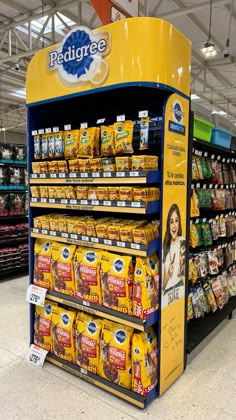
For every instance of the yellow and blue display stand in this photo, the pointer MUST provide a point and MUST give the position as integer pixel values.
(122, 68)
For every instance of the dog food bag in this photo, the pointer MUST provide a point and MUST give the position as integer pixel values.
(87, 345)
(53, 167)
(59, 144)
(87, 275)
(43, 167)
(84, 165)
(123, 163)
(43, 191)
(115, 353)
(63, 333)
(44, 147)
(42, 264)
(107, 140)
(51, 145)
(35, 191)
(117, 282)
(52, 192)
(62, 268)
(71, 138)
(95, 165)
(37, 147)
(42, 326)
(145, 288)
(35, 168)
(109, 165)
(124, 137)
(73, 165)
(19, 151)
(62, 166)
(144, 129)
(87, 142)
(81, 192)
(144, 361)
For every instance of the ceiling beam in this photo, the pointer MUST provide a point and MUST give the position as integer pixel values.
(191, 9)
(16, 6)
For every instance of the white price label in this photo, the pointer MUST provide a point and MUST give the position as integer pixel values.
(48, 130)
(100, 120)
(62, 175)
(218, 157)
(107, 203)
(120, 118)
(204, 186)
(212, 156)
(95, 175)
(53, 233)
(120, 174)
(121, 244)
(35, 230)
(53, 175)
(64, 201)
(107, 242)
(34, 175)
(84, 371)
(85, 238)
(143, 114)
(73, 236)
(64, 235)
(84, 125)
(84, 201)
(198, 185)
(72, 175)
(84, 175)
(55, 129)
(41, 131)
(134, 173)
(96, 240)
(135, 204)
(95, 202)
(42, 175)
(228, 160)
(34, 200)
(205, 154)
(34, 133)
(43, 200)
(44, 232)
(73, 201)
(67, 127)
(135, 246)
(36, 295)
(51, 200)
(106, 174)
(120, 203)
(86, 303)
(223, 160)
(35, 356)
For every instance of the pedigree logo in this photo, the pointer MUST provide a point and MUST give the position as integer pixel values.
(79, 58)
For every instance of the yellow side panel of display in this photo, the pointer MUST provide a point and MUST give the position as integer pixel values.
(174, 240)
(140, 50)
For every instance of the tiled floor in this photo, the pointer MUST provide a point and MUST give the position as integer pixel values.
(207, 390)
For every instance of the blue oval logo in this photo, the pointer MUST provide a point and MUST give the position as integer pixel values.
(120, 336)
(139, 272)
(65, 253)
(90, 256)
(84, 134)
(46, 246)
(118, 265)
(92, 328)
(152, 264)
(65, 319)
(178, 112)
(48, 309)
(120, 128)
(104, 133)
(136, 350)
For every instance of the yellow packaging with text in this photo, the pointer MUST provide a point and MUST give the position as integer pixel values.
(71, 139)
(87, 275)
(62, 268)
(42, 326)
(42, 264)
(87, 142)
(87, 347)
(124, 137)
(63, 333)
(107, 140)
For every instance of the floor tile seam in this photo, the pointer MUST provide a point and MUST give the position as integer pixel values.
(9, 351)
(92, 395)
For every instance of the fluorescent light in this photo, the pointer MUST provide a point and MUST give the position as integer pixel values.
(194, 96)
(209, 50)
(219, 112)
(20, 93)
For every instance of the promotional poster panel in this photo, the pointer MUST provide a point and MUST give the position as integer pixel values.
(175, 151)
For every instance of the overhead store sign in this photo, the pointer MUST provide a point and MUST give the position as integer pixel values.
(79, 58)
(112, 10)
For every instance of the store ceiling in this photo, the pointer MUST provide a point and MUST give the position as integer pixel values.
(26, 27)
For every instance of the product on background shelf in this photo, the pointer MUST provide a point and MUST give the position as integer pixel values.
(63, 339)
(6, 151)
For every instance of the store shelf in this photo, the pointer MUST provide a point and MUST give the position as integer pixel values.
(134, 207)
(14, 271)
(103, 312)
(131, 177)
(11, 241)
(108, 245)
(17, 216)
(125, 394)
(211, 147)
(13, 162)
(13, 188)
(198, 329)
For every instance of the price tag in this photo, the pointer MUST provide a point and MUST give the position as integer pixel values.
(34, 175)
(192, 186)
(44, 232)
(84, 201)
(51, 200)
(73, 236)
(85, 238)
(212, 156)
(205, 154)
(95, 202)
(34, 133)
(100, 120)
(121, 244)
(120, 203)
(42, 175)
(120, 118)
(84, 371)
(84, 125)
(35, 356)
(55, 129)
(64, 235)
(41, 131)
(84, 175)
(200, 153)
(216, 186)
(223, 160)
(67, 127)
(53, 175)
(86, 303)
(64, 201)
(72, 175)
(135, 204)
(204, 220)
(95, 175)
(48, 130)
(222, 187)
(53, 233)
(228, 160)
(106, 174)
(120, 174)
(210, 185)
(62, 175)
(34, 200)
(143, 114)
(107, 242)
(107, 203)
(204, 186)
(35, 230)
(135, 246)
(218, 157)
(73, 201)
(232, 160)
(96, 240)
(134, 173)
(36, 295)
(198, 185)
(43, 200)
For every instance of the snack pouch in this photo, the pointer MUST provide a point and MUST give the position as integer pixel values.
(35, 168)
(117, 282)
(115, 353)
(144, 361)
(74, 165)
(123, 163)
(71, 138)
(124, 137)
(146, 286)
(59, 144)
(87, 345)
(42, 326)
(37, 147)
(87, 275)
(107, 140)
(87, 142)
(63, 333)
(44, 146)
(144, 128)
(51, 145)
(62, 268)
(42, 264)
(53, 167)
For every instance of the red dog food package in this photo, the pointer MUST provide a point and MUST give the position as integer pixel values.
(88, 331)
(115, 353)
(87, 275)
(42, 264)
(63, 333)
(62, 268)
(42, 326)
(144, 361)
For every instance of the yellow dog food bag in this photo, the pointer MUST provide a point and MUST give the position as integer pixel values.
(42, 264)
(107, 140)
(144, 361)
(124, 137)
(87, 275)
(87, 345)
(87, 142)
(62, 268)
(42, 326)
(117, 282)
(115, 353)
(63, 333)
(146, 286)
(71, 139)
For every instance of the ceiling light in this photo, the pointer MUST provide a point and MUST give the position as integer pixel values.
(194, 96)
(209, 50)
(219, 112)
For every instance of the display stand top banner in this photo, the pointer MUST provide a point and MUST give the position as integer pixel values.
(136, 50)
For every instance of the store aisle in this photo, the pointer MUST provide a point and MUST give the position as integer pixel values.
(206, 390)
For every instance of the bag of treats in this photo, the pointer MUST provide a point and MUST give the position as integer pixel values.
(117, 282)
(62, 268)
(124, 137)
(107, 140)
(42, 264)
(87, 275)
(71, 138)
(51, 145)
(16, 204)
(42, 326)
(144, 129)
(16, 175)
(144, 361)
(37, 147)
(44, 146)
(73, 165)
(19, 151)
(115, 353)
(87, 345)
(87, 142)
(63, 333)
(59, 144)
